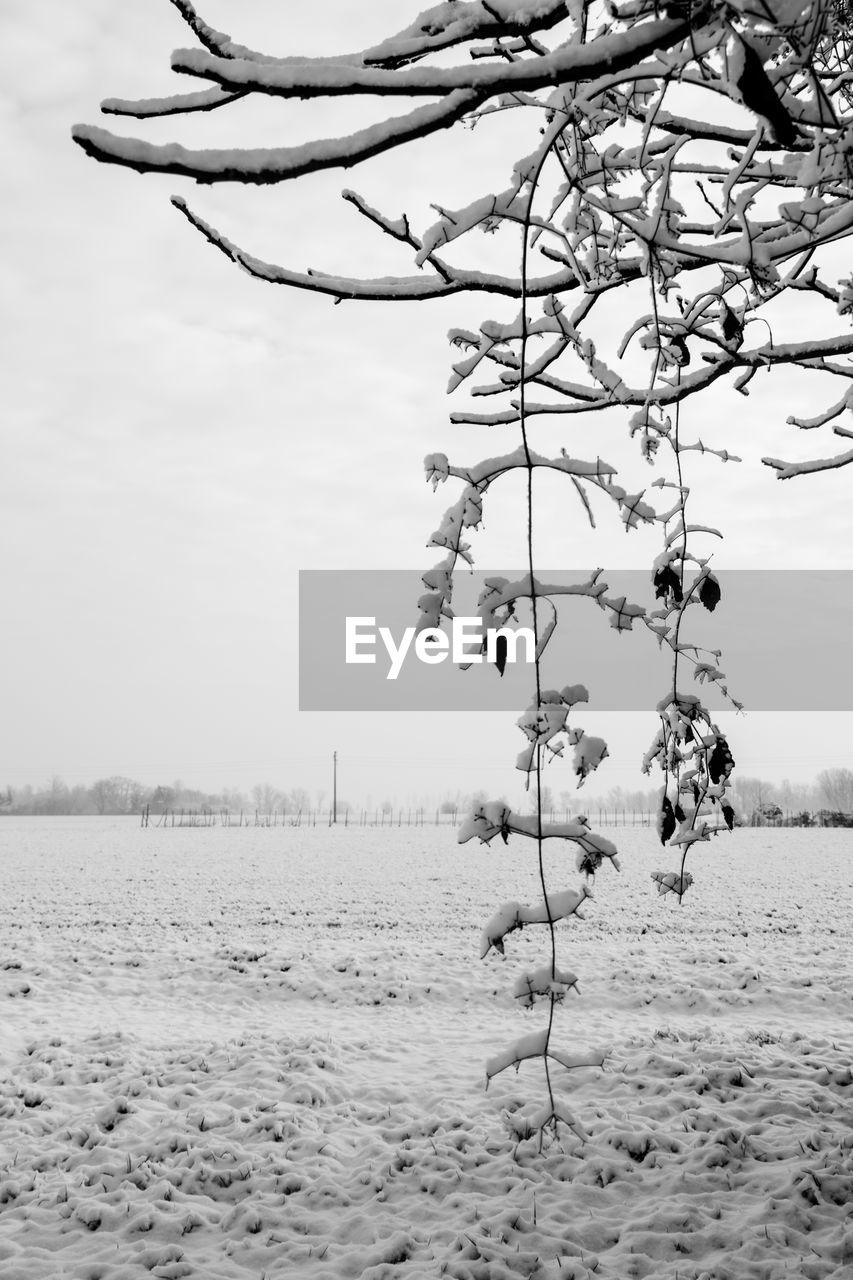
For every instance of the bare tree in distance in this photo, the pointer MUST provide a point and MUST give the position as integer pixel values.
(687, 178)
(835, 787)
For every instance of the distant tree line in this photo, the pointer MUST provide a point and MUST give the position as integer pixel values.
(118, 795)
(832, 790)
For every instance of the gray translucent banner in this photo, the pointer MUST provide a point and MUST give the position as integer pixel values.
(784, 636)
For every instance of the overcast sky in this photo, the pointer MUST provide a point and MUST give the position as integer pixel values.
(179, 440)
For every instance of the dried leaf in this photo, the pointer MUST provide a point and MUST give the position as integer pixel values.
(709, 592)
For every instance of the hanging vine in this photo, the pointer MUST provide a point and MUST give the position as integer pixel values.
(545, 723)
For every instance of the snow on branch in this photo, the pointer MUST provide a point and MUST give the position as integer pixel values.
(277, 164)
(688, 127)
(787, 470)
(489, 468)
(608, 54)
(215, 41)
(449, 24)
(462, 89)
(397, 228)
(805, 352)
(828, 415)
(543, 983)
(672, 882)
(177, 104)
(447, 280)
(440, 27)
(514, 915)
(493, 818)
(535, 1045)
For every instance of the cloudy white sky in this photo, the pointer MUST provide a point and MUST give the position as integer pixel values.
(179, 440)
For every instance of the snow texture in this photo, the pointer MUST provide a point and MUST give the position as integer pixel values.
(234, 1053)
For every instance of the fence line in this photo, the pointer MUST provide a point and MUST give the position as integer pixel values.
(421, 817)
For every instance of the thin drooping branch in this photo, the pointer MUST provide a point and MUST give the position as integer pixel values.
(533, 182)
(448, 279)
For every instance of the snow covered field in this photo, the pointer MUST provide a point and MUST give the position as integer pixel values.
(250, 1053)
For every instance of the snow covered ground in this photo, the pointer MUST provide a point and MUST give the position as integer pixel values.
(249, 1053)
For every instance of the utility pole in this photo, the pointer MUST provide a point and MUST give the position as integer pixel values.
(334, 786)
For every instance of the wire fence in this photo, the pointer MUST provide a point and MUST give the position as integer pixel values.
(352, 817)
(349, 817)
(421, 817)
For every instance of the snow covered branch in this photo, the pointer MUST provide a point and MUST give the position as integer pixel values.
(277, 164)
(182, 104)
(441, 27)
(568, 64)
(787, 470)
(447, 280)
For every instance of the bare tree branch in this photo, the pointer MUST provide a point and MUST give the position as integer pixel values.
(788, 470)
(387, 289)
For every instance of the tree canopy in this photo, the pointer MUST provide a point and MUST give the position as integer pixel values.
(703, 146)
